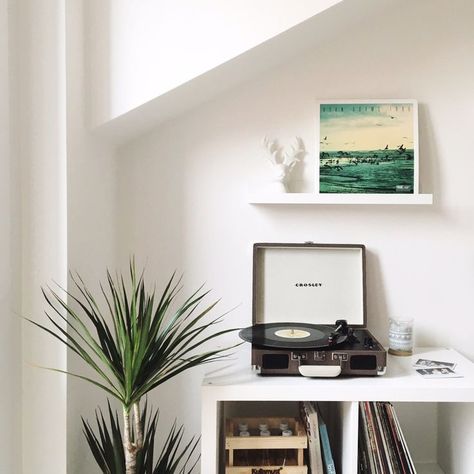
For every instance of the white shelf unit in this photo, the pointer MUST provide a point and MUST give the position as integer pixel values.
(314, 198)
(400, 384)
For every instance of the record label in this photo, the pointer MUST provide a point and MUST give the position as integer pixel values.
(292, 333)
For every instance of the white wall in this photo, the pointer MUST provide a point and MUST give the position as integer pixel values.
(191, 212)
(144, 49)
(91, 235)
(456, 429)
(10, 335)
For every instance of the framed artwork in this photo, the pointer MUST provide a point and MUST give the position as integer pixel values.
(368, 146)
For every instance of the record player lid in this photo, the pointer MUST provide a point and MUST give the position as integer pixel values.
(309, 283)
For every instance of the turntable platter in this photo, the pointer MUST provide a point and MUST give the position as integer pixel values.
(291, 336)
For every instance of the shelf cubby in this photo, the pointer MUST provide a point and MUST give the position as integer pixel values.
(433, 412)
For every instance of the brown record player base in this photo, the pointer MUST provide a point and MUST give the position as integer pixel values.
(362, 356)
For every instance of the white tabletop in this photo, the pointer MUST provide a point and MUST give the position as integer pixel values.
(400, 383)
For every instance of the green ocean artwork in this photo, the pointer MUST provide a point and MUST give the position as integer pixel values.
(366, 148)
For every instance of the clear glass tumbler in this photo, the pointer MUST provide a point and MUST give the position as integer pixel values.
(400, 336)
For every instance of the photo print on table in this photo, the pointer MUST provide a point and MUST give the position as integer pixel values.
(438, 373)
(368, 147)
(428, 363)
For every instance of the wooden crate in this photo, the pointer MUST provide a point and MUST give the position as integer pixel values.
(290, 448)
(248, 469)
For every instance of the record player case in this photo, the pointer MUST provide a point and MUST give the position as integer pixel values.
(314, 284)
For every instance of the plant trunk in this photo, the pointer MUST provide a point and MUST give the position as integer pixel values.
(138, 426)
(129, 446)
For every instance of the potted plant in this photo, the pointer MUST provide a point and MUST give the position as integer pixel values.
(137, 341)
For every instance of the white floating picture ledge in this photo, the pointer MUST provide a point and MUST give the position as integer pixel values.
(310, 198)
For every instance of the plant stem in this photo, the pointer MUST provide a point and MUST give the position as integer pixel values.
(129, 447)
(138, 425)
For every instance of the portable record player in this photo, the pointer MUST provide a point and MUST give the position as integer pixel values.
(309, 311)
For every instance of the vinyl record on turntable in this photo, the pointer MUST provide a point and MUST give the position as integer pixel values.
(290, 335)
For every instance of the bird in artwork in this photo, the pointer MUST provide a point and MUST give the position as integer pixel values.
(386, 147)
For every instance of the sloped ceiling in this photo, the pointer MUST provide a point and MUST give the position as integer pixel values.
(306, 36)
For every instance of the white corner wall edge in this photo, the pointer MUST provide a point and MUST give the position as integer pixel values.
(314, 198)
(305, 36)
(41, 135)
(10, 335)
